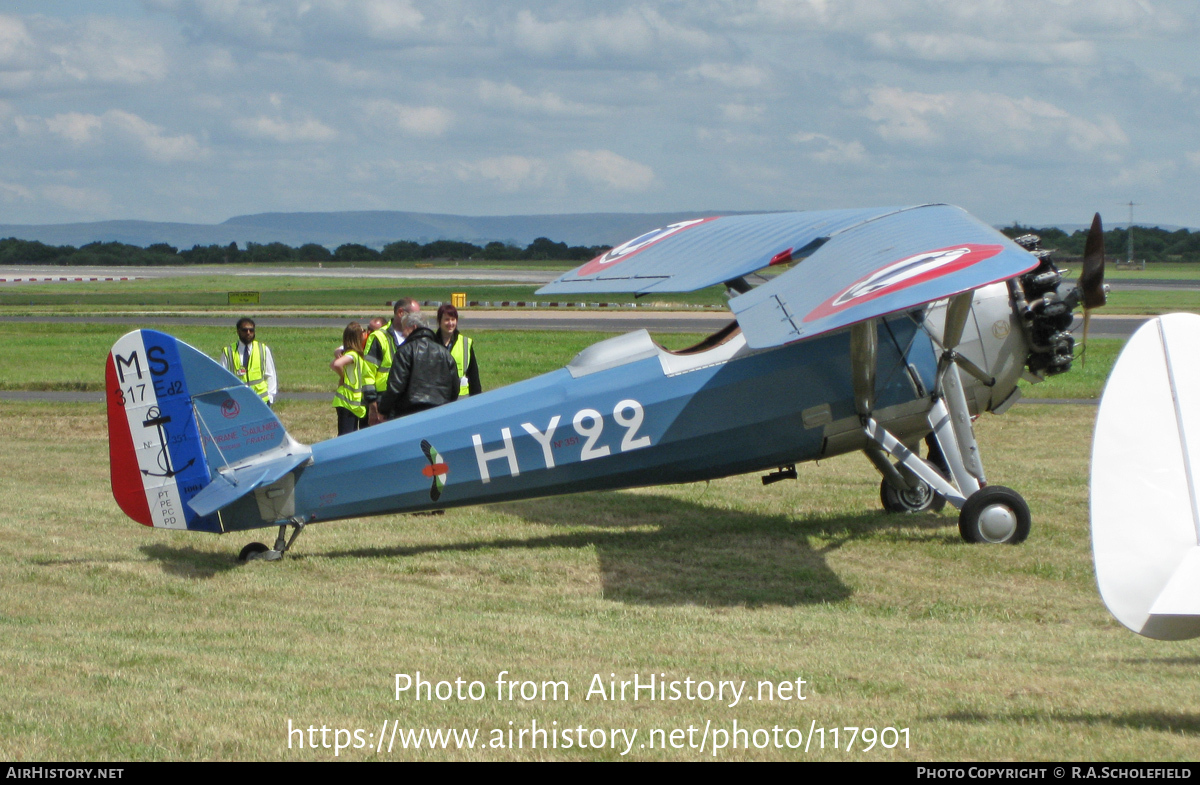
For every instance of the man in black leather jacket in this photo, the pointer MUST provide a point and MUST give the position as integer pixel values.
(423, 373)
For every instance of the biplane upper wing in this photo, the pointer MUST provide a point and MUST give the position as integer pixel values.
(691, 255)
(850, 265)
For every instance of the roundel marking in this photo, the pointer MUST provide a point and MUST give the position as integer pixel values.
(637, 245)
(903, 273)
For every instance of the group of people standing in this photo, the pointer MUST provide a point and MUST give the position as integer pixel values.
(392, 369)
(402, 367)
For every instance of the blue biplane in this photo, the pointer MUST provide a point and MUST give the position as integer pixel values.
(886, 329)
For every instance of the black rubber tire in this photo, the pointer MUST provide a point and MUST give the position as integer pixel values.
(995, 514)
(917, 500)
(920, 499)
(254, 547)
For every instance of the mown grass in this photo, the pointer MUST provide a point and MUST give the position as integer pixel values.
(1168, 271)
(301, 355)
(1151, 303)
(122, 642)
(1087, 376)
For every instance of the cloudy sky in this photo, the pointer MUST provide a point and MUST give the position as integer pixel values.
(1039, 111)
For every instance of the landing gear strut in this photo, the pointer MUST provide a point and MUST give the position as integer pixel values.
(256, 551)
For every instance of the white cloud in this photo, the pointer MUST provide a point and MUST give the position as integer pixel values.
(640, 32)
(731, 75)
(1193, 158)
(17, 48)
(1012, 19)
(304, 131)
(1143, 174)
(546, 102)
(614, 171)
(85, 200)
(104, 51)
(11, 192)
(829, 150)
(390, 18)
(286, 24)
(509, 172)
(159, 146)
(989, 122)
(412, 120)
(973, 49)
(118, 128)
(742, 113)
(75, 127)
(535, 175)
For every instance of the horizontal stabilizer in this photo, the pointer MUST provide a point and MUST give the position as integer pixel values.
(232, 484)
(1144, 506)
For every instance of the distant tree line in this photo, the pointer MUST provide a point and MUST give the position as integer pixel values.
(1149, 243)
(14, 251)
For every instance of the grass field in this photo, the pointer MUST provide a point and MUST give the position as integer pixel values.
(302, 356)
(123, 642)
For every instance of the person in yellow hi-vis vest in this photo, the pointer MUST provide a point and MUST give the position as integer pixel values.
(462, 349)
(350, 367)
(380, 350)
(250, 360)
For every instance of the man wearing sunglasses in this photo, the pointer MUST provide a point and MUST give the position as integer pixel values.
(250, 361)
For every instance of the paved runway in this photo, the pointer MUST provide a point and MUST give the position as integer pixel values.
(23, 272)
(580, 320)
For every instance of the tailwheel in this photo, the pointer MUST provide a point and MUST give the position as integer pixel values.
(919, 498)
(251, 551)
(256, 551)
(994, 514)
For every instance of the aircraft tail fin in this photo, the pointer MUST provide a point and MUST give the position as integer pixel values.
(186, 438)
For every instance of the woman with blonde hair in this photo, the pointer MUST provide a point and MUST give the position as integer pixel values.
(348, 365)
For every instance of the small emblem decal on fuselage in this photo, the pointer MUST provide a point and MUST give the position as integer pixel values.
(906, 272)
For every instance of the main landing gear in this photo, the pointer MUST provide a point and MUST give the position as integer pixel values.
(919, 497)
(256, 551)
(953, 471)
(994, 514)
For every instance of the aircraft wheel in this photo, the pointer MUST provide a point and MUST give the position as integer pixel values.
(251, 550)
(994, 514)
(921, 498)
